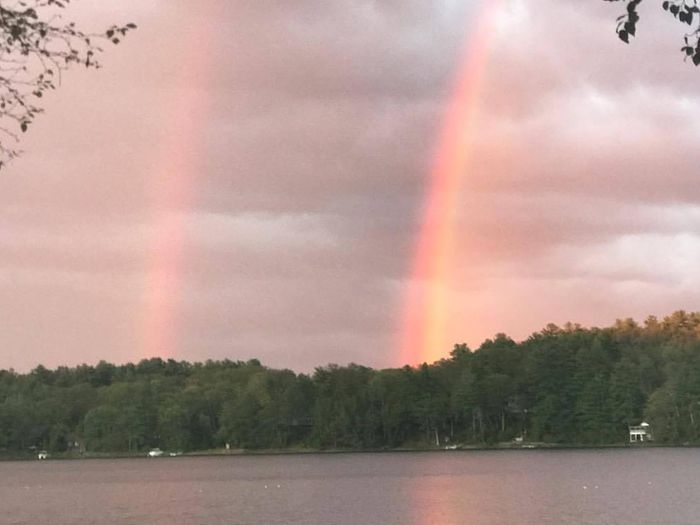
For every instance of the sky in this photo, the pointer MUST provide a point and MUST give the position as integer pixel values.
(249, 179)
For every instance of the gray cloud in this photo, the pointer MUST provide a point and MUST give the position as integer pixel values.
(288, 144)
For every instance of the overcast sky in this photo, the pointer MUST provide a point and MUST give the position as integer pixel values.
(245, 179)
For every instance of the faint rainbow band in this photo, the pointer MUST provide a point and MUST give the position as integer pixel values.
(173, 178)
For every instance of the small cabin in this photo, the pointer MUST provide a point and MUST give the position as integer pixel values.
(640, 433)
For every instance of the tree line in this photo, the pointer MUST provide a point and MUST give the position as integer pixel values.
(567, 385)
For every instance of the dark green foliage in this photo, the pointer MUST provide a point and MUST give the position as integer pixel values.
(686, 12)
(561, 385)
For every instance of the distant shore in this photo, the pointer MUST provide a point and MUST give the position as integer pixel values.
(311, 451)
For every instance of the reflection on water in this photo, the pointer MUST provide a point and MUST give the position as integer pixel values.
(434, 497)
(454, 488)
(649, 486)
(553, 487)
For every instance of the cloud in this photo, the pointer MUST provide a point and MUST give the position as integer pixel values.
(289, 141)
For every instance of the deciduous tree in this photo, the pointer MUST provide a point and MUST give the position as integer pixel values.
(686, 12)
(36, 46)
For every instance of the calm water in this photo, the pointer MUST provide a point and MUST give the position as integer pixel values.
(639, 486)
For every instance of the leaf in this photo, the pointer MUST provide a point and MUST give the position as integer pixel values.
(696, 59)
(624, 36)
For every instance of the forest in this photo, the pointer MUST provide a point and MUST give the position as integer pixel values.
(562, 385)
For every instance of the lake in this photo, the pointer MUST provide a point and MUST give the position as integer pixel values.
(613, 486)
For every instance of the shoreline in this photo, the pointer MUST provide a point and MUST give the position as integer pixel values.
(300, 452)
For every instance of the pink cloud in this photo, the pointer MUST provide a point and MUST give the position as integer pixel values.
(309, 173)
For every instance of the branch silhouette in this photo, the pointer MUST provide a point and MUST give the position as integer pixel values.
(686, 12)
(36, 46)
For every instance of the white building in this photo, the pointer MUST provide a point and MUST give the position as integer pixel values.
(640, 433)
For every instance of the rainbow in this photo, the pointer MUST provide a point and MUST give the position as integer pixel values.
(424, 330)
(184, 115)
(425, 325)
